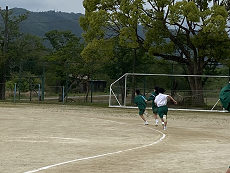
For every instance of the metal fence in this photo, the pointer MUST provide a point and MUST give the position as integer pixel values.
(53, 94)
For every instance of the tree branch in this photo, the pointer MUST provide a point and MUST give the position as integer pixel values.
(178, 59)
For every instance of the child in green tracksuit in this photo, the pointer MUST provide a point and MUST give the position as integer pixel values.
(140, 101)
(154, 106)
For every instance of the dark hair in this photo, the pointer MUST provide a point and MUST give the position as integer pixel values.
(156, 88)
(161, 90)
(138, 92)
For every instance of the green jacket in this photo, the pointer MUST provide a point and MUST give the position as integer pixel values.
(140, 101)
(152, 97)
(225, 97)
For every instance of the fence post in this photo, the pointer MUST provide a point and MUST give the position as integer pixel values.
(91, 91)
(43, 82)
(63, 94)
(15, 90)
(39, 90)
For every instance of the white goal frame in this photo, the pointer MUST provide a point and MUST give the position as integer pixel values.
(167, 75)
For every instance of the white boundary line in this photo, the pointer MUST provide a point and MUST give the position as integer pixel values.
(43, 140)
(171, 109)
(100, 155)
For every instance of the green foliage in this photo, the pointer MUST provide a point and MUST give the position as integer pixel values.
(58, 39)
(95, 25)
(128, 37)
(24, 82)
(122, 36)
(191, 12)
(190, 33)
(65, 59)
(13, 23)
(216, 21)
(98, 50)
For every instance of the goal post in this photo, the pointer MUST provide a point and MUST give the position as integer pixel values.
(205, 97)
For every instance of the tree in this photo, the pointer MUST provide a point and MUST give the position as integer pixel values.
(192, 33)
(66, 65)
(24, 61)
(126, 28)
(9, 33)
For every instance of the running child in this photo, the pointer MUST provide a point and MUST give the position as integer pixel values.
(154, 106)
(161, 102)
(140, 101)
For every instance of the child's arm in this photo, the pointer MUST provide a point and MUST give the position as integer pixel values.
(144, 98)
(174, 101)
(151, 97)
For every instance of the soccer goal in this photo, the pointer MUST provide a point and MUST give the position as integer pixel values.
(192, 92)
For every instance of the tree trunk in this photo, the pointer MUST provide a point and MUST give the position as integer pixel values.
(2, 90)
(197, 97)
(121, 83)
(87, 90)
(133, 77)
(2, 83)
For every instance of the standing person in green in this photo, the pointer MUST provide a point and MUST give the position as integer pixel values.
(140, 101)
(154, 106)
(225, 97)
(161, 102)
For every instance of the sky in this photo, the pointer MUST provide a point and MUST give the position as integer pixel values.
(74, 6)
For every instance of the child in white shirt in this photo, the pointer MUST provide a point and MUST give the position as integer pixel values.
(161, 102)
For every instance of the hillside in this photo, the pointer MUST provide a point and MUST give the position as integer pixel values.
(38, 23)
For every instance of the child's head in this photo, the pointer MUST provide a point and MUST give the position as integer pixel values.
(161, 90)
(138, 92)
(156, 89)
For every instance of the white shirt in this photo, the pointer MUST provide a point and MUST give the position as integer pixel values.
(161, 100)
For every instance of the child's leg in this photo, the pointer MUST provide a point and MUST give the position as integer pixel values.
(156, 120)
(163, 115)
(143, 118)
(141, 112)
(165, 121)
(160, 113)
(155, 115)
(162, 121)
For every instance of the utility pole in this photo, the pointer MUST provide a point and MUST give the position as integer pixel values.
(5, 50)
(5, 44)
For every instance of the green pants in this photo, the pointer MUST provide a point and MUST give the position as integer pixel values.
(141, 111)
(154, 109)
(162, 110)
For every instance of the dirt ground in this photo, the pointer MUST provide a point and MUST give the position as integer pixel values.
(83, 139)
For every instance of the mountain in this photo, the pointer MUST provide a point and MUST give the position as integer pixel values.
(38, 23)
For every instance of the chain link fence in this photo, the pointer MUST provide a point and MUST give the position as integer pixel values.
(96, 93)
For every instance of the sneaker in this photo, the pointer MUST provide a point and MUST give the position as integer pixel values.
(156, 122)
(165, 118)
(164, 128)
(146, 123)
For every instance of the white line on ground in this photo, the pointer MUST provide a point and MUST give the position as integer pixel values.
(100, 155)
(34, 139)
(97, 156)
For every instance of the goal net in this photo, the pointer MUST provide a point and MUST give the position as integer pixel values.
(192, 92)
